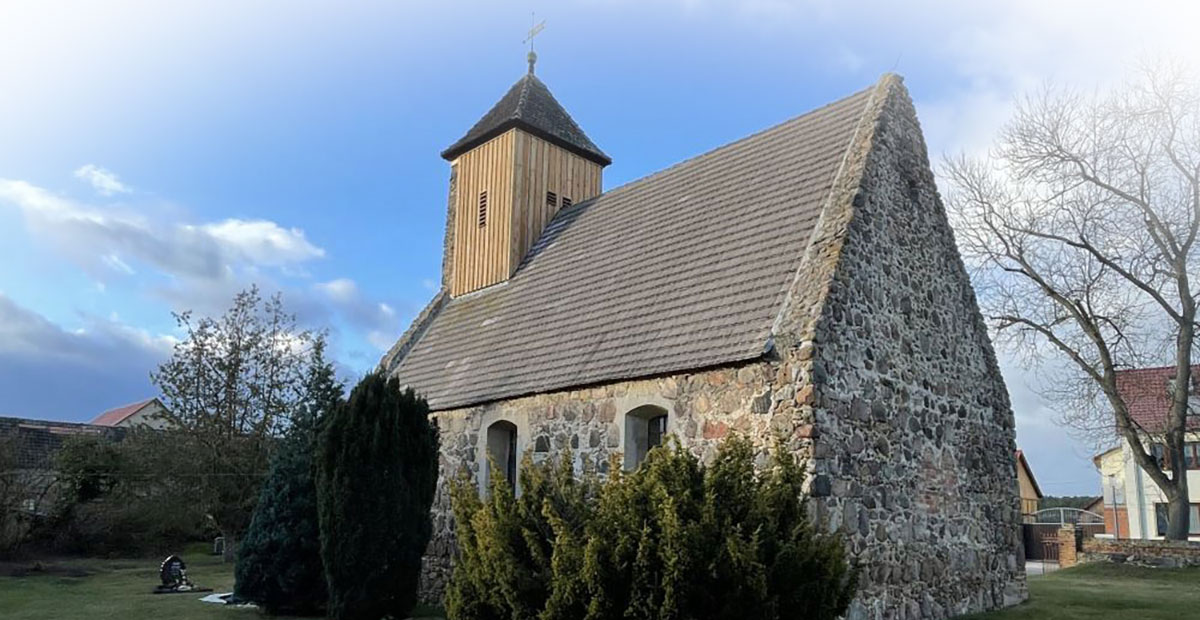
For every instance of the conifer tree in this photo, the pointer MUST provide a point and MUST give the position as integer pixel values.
(376, 477)
(279, 562)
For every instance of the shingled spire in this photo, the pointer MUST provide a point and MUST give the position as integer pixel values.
(511, 173)
(529, 106)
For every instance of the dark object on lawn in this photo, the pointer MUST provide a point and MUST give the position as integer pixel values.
(173, 573)
(219, 545)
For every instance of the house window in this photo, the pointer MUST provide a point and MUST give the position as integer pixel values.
(1160, 514)
(483, 208)
(566, 202)
(551, 200)
(502, 450)
(645, 429)
(1158, 452)
(1193, 400)
(1191, 455)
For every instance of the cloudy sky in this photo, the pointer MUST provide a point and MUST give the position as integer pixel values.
(160, 156)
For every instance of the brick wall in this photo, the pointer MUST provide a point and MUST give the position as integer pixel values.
(1068, 547)
(1116, 521)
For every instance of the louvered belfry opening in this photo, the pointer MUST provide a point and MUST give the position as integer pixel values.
(513, 171)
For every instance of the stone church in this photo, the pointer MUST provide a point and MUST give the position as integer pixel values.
(802, 282)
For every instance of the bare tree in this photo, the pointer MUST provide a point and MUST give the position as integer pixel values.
(229, 390)
(1081, 229)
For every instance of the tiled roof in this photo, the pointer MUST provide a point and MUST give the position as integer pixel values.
(1145, 391)
(530, 106)
(113, 417)
(684, 269)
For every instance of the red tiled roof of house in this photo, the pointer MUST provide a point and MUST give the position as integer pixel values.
(1147, 394)
(113, 417)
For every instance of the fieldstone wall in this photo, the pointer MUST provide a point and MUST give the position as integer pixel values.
(1152, 553)
(915, 446)
(757, 400)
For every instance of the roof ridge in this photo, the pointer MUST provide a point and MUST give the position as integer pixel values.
(713, 151)
(1153, 368)
(144, 401)
(125, 412)
(523, 97)
(872, 109)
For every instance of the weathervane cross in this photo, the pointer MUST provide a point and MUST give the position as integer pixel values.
(534, 29)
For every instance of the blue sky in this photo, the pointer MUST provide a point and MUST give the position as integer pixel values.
(160, 156)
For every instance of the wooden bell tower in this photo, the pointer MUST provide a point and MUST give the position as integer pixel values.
(510, 174)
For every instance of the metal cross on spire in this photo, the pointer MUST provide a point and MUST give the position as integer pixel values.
(534, 29)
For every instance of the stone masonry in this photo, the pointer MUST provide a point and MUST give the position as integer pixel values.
(1153, 553)
(915, 431)
(880, 374)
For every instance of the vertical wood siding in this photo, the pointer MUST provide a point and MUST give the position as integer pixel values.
(516, 170)
(481, 253)
(543, 167)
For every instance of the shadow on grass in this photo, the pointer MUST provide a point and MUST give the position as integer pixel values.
(1108, 591)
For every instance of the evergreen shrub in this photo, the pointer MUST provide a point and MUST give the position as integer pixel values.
(376, 477)
(279, 559)
(672, 539)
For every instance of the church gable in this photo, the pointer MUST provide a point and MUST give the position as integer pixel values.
(685, 269)
(915, 436)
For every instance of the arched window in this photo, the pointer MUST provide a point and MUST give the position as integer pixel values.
(502, 449)
(645, 428)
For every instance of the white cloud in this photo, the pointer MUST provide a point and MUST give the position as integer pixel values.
(114, 261)
(103, 181)
(378, 319)
(26, 333)
(264, 242)
(381, 340)
(92, 235)
(341, 290)
(47, 370)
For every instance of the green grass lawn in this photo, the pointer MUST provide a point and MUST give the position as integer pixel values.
(1101, 591)
(120, 590)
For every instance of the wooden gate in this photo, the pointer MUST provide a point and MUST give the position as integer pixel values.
(1041, 541)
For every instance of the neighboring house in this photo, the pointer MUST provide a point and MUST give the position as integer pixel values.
(1028, 489)
(1112, 467)
(33, 445)
(142, 413)
(1132, 502)
(800, 284)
